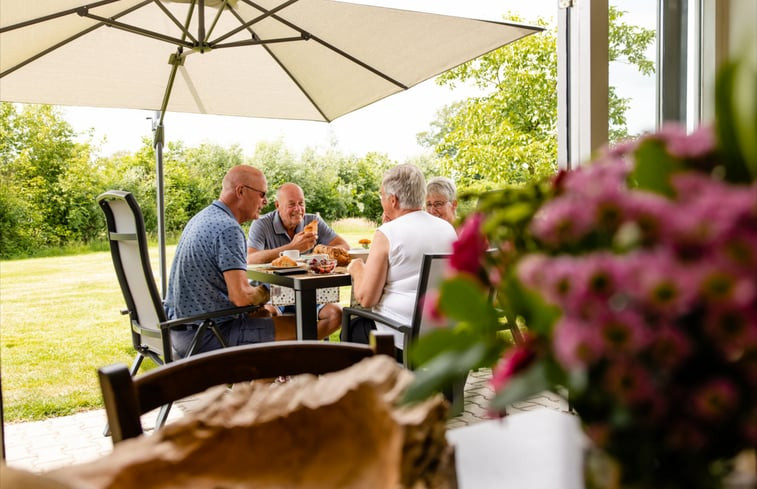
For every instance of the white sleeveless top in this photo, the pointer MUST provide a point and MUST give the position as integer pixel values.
(410, 236)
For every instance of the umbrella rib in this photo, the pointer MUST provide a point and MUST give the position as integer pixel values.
(138, 30)
(281, 65)
(257, 42)
(174, 20)
(62, 13)
(217, 17)
(340, 52)
(245, 25)
(72, 38)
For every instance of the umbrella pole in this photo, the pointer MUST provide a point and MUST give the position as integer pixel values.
(175, 61)
(158, 138)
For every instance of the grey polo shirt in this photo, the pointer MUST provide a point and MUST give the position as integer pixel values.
(212, 242)
(268, 232)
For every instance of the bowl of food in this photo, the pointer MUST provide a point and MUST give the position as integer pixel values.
(322, 265)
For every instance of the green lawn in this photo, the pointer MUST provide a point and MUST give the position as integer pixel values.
(60, 321)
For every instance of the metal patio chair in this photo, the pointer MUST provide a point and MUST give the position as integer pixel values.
(127, 397)
(150, 328)
(431, 274)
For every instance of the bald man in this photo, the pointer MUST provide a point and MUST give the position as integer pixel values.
(209, 270)
(284, 229)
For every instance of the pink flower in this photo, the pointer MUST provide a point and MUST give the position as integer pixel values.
(628, 382)
(698, 144)
(661, 284)
(733, 331)
(564, 220)
(431, 311)
(624, 332)
(533, 270)
(467, 251)
(669, 347)
(515, 361)
(715, 400)
(576, 345)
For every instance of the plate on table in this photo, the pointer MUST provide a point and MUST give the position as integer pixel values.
(286, 267)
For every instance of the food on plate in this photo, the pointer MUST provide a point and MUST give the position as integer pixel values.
(284, 261)
(365, 243)
(311, 227)
(322, 265)
(341, 256)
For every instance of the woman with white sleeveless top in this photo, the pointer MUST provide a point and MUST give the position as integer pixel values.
(388, 280)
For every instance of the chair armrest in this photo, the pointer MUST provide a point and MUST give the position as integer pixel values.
(210, 315)
(349, 312)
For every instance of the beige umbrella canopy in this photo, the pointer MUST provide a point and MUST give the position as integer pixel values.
(295, 59)
(287, 59)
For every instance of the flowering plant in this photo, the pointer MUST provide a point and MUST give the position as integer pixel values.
(634, 282)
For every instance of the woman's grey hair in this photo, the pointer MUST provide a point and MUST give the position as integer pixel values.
(406, 182)
(442, 186)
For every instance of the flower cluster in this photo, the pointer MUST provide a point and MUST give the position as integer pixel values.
(633, 281)
(658, 299)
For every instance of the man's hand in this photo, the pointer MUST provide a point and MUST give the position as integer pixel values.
(304, 241)
(260, 295)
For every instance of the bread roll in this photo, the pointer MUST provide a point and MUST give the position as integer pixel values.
(284, 261)
(312, 227)
(341, 256)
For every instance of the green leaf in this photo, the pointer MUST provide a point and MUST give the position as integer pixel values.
(521, 301)
(736, 121)
(463, 299)
(653, 168)
(443, 370)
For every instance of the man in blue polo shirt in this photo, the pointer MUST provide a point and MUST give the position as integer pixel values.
(209, 270)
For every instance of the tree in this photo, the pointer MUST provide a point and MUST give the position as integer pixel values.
(47, 181)
(509, 134)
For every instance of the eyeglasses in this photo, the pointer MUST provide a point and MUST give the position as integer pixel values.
(436, 205)
(262, 193)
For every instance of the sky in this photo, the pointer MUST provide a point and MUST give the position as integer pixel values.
(388, 126)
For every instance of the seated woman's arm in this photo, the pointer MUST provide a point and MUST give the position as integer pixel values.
(368, 278)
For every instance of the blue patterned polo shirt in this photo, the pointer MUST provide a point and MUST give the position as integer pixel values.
(212, 242)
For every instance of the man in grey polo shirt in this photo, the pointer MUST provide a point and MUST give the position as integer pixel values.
(283, 229)
(209, 270)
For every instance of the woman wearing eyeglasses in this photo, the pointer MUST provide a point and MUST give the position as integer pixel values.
(441, 199)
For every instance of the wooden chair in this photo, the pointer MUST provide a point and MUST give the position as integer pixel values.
(150, 328)
(127, 397)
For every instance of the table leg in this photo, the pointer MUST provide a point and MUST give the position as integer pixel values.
(307, 314)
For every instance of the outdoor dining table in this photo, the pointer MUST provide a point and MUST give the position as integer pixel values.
(305, 286)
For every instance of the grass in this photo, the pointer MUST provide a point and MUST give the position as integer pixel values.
(60, 320)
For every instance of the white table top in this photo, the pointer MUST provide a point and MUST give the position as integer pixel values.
(540, 449)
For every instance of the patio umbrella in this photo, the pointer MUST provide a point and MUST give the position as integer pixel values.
(290, 59)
